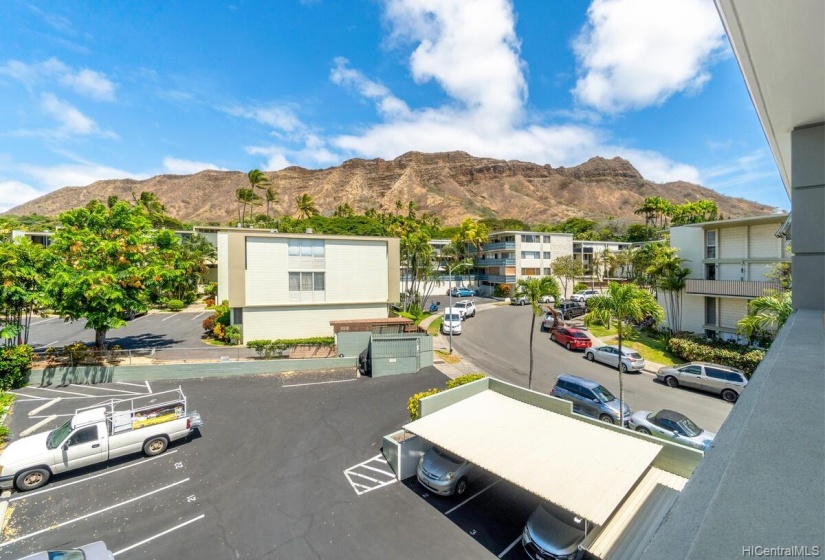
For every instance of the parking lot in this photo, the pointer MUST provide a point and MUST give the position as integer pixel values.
(270, 476)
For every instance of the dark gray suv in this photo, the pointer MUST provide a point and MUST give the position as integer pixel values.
(589, 398)
(570, 309)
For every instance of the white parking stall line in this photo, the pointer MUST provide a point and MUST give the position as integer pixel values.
(474, 496)
(132, 384)
(378, 470)
(509, 548)
(47, 345)
(65, 392)
(166, 532)
(43, 407)
(91, 386)
(169, 317)
(319, 383)
(53, 487)
(198, 315)
(360, 488)
(39, 425)
(29, 397)
(53, 415)
(98, 512)
(44, 321)
(148, 388)
(96, 397)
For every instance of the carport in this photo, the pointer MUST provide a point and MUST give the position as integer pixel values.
(620, 482)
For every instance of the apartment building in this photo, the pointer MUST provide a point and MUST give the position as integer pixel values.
(285, 285)
(43, 238)
(728, 260)
(508, 256)
(588, 253)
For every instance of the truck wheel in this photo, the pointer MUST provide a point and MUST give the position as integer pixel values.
(31, 479)
(155, 446)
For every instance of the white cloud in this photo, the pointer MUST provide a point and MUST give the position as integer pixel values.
(78, 174)
(278, 117)
(387, 104)
(276, 158)
(90, 83)
(14, 193)
(637, 53)
(84, 81)
(185, 167)
(74, 121)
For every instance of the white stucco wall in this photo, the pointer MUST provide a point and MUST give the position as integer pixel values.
(222, 242)
(690, 243)
(270, 323)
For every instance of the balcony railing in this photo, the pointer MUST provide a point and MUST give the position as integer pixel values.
(736, 288)
(496, 278)
(495, 262)
(501, 245)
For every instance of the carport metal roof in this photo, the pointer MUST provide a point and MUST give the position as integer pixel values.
(584, 468)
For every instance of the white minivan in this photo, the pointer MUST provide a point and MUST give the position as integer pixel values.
(451, 322)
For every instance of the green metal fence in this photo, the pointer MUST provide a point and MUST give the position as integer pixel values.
(395, 354)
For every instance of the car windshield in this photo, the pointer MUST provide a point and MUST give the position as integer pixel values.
(453, 317)
(441, 453)
(689, 428)
(66, 555)
(57, 436)
(603, 394)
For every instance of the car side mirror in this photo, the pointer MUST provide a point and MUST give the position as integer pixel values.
(65, 446)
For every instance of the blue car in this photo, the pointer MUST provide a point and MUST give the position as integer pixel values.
(462, 292)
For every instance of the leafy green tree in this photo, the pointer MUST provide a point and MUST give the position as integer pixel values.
(766, 314)
(671, 281)
(23, 269)
(534, 289)
(567, 268)
(101, 259)
(155, 211)
(272, 197)
(343, 211)
(306, 206)
(623, 303)
(258, 181)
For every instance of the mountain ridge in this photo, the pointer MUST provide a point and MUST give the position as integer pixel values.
(451, 185)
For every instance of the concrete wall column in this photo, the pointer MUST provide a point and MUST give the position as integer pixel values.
(808, 207)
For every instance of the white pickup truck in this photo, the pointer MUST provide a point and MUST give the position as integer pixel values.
(98, 433)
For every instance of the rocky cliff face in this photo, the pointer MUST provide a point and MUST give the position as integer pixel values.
(451, 185)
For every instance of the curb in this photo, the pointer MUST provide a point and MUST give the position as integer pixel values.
(4, 506)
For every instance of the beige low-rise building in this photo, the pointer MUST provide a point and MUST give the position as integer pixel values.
(289, 285)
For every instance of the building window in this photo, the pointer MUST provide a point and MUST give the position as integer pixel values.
(306, 248)
(710, 311)
(530, 238)
(710, 244)
(531, 271)
(306, 282)
(547, 255)
(547, 238)
(531, 254)
(710, 272)
(547, 271)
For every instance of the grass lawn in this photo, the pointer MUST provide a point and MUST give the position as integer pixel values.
(600, 332)
(447, 357)
(651, 349)
(434, 327)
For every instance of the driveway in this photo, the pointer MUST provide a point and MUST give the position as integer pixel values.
(267, 478)
(497, 341)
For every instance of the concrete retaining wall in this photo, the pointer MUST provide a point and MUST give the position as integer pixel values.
(109, 374)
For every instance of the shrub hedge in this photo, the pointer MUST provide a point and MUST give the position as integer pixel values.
(275, 348)
(580, 286)
(15, 366)
(414, 404)
(696, 349)
(175, 305)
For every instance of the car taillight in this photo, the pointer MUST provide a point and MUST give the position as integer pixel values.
(188, 423)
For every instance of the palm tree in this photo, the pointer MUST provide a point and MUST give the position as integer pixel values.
(257, 180)
(534, 289)
(271, 198)
(766, 314)
(671, 280)
(623, 303)
(306, 206)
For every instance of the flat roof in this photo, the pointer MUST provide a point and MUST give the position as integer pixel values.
(770, 218)
(258, 232)
(580, 466)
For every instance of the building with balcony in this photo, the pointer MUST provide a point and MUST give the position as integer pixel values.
(759, 490)
(728, 260)
(289, 285)
(588, 253)
(508, 256)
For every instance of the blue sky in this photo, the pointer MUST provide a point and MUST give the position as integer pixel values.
(92, 90)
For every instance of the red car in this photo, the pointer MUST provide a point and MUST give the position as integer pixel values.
(573, 339)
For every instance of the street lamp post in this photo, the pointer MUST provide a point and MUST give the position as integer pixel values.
(450, 301)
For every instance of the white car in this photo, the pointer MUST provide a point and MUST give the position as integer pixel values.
(585, 295)
(671, 425)
(631, 360)
(465, 307)
(547, 299)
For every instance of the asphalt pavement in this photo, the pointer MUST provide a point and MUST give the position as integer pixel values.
(496, 342)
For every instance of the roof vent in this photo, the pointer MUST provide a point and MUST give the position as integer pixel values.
(308, 230)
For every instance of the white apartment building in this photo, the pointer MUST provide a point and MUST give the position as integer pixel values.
(510, 255)
(728, 260)
(285, 285)
(588, 252)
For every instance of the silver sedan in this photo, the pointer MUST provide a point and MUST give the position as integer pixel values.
(671, 425)
(609, 354)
